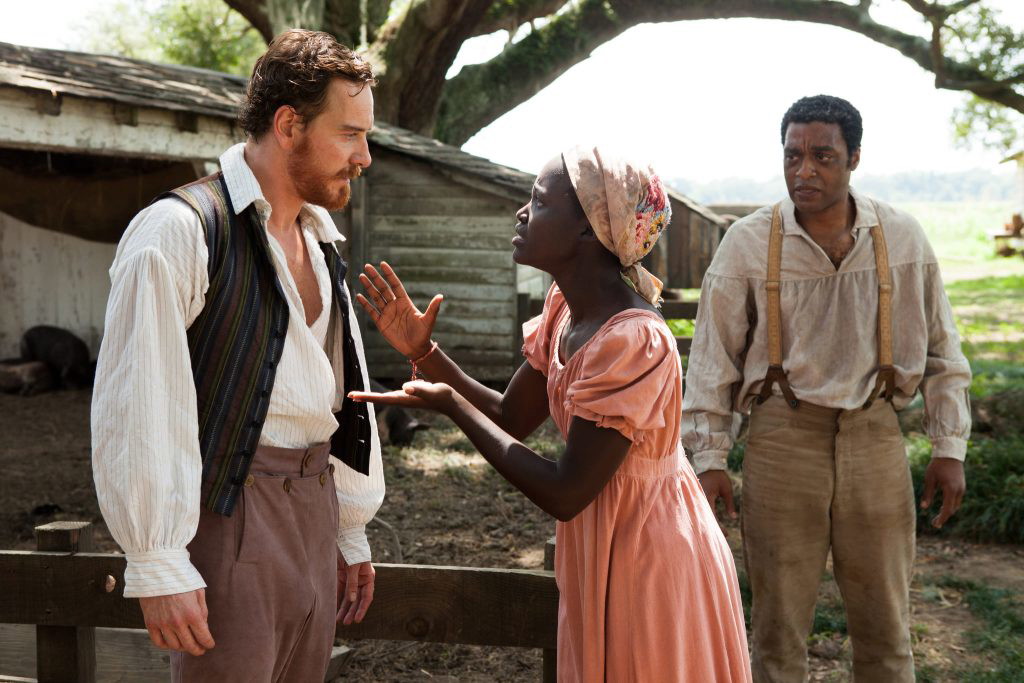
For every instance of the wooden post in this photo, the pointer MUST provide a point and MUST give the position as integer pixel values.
(550, 670)
(65, 653)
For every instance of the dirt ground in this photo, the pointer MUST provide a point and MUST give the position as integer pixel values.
(445, 506)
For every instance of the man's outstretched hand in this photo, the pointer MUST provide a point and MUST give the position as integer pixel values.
(355, 590)
(178, 621)
(394, 313)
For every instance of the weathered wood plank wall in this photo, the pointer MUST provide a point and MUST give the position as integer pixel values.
(692, 239)
(48, 278)
(442, 237)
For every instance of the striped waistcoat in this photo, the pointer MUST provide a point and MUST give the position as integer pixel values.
(236, 342)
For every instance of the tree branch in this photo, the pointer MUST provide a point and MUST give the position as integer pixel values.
(510, 15)
(255, 11)
(413, 54)
(481, 93)
(935, 9)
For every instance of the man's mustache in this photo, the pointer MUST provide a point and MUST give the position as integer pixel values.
(351, 172)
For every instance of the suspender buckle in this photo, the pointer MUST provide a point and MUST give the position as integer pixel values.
(885, 386)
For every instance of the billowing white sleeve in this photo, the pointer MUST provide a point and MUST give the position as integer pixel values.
(359, 495)
(145, 445)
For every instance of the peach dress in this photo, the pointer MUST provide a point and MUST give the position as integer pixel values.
(647, 581)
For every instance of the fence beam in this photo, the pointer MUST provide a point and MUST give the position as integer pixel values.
(466, 605)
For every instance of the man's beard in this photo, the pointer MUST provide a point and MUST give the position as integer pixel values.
(313, 186)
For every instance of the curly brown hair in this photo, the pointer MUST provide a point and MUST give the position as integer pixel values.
(296, 70)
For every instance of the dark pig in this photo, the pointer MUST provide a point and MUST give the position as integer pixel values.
(63, 352)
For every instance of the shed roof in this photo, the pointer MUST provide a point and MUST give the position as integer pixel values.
(212, 93)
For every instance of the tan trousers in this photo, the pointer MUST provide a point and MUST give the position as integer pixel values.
(271, 574)
(816, 479)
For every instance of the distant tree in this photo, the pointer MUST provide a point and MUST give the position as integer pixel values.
(203, 33)
(976, 37)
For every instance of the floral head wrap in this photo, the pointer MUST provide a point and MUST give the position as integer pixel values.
(627, 207)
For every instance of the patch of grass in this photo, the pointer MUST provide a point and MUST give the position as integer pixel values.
(926, 673)
(993, 376)
(735, 460)
(993, 509)
(829, 618)
(681, 327)
(545, 445)
(990, 319)
(958, 231)
(1001, 635)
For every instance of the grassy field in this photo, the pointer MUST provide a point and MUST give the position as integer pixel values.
(959, 233)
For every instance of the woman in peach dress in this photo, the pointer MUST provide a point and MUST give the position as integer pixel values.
(648, 588)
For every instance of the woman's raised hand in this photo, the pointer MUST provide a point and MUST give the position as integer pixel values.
(394, 313)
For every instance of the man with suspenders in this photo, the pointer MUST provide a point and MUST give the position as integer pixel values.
(823, 315)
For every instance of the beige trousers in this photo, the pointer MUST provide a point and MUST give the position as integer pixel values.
(816, 479)
(271, 575)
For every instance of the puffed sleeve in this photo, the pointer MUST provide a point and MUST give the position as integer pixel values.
(537, 332)
(630, 376)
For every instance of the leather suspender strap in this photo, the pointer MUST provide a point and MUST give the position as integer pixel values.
(775, 374)
(885, 385)
(771, 285)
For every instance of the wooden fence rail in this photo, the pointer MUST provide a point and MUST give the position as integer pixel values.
(670, 310)
(66, 594)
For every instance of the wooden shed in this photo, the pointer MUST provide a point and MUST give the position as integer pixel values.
(686, 249)
(87, 140)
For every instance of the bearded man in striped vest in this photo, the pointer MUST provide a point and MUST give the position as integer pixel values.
(229, 464)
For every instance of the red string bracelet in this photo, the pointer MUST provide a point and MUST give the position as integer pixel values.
(415, 369)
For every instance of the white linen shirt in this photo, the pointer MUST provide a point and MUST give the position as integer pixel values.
(145, 427)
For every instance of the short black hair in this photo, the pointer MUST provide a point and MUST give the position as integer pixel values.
(827, 109)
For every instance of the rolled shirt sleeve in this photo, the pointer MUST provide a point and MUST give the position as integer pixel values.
(146, 460)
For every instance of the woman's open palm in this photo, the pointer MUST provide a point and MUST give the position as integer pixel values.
(394, 313)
